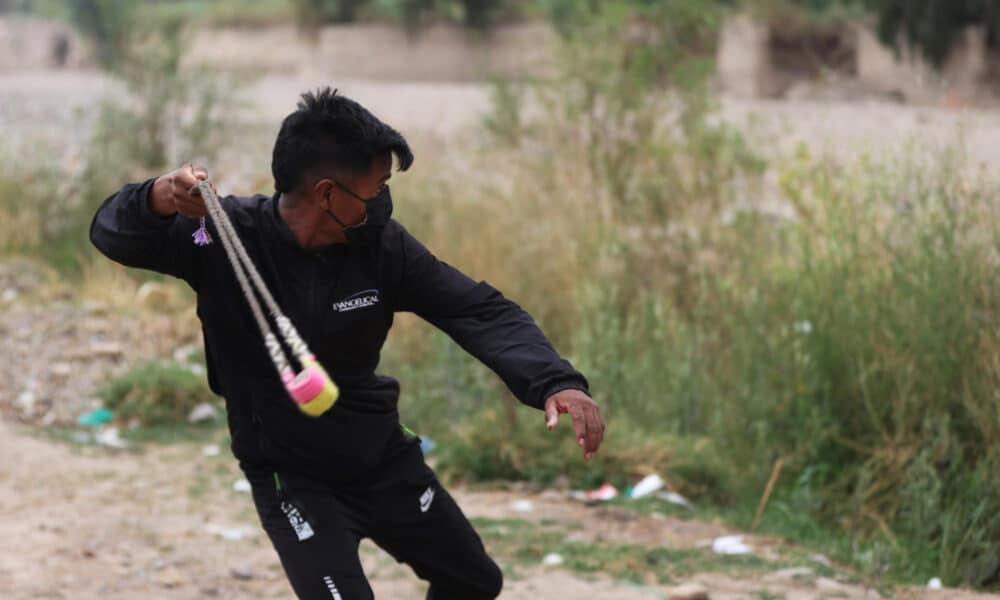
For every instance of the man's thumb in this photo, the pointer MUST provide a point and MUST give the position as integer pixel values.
(199, 172)
(551, 416)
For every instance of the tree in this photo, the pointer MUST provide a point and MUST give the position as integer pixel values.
(932, 26)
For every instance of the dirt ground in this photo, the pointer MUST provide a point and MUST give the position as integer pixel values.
(86, 522)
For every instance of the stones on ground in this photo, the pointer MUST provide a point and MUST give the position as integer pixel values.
(830, 588)
(241, 485)
(61, 369)
(105, 349)
(241, 572)
(821, 559)
(935, 584)
(552, 559)
(203, 412)
(26, 399)
(791, 574)
(170, 578)
(688, 591)
(522, 505)
(210, 450)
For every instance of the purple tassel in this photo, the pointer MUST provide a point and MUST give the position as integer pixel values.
(201, 237)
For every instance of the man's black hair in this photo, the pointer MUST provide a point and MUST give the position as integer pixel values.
(332, 132)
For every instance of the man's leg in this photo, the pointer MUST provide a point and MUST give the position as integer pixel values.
(315, 535)
(415, 519)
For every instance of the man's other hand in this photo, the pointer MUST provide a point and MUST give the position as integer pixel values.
(587, 420)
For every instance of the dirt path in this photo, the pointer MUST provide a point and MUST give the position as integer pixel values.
(49, 105)
(86, 522)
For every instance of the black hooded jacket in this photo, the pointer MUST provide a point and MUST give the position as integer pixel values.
(342, 300)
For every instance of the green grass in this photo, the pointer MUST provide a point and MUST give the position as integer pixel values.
(524, 544)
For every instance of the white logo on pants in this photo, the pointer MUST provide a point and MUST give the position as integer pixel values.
(426, 498)
(333, 588)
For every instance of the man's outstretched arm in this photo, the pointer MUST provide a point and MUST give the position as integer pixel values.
(501, 335)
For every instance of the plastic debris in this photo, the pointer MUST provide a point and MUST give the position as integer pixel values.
(203, 412)
(552, 559)
(648, 485)
(522, 505)
(675, 498)
(604, 493)
(427, 444)
(96, 417)
(109, 437)
(241, 485)
(935, 584)
(730, 544)
(211, 450)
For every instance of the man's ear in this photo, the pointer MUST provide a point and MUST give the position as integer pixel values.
(323, 190)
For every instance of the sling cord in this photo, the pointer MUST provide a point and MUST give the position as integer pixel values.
(312, 389)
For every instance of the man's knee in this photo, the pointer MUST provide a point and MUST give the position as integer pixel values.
(486, 586)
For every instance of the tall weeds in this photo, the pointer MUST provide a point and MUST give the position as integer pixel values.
(852, 333)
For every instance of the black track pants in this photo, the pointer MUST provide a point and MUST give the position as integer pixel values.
(316, 527)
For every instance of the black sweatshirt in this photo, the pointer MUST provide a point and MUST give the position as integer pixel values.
(342, 300)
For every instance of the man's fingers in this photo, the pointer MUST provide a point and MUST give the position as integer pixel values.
(198, 172)
(579, 424)
(594, 431)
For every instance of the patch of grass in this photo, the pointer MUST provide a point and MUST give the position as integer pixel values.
(159, 395)
(526, 543)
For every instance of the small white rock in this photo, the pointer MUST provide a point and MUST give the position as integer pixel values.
(241, 485)
(552, 559)
(202, 412)
(522, 505)
(935, 584)
(832, 588)
(688, 591)
(821, 559)
(212, 450)
(61, 369)
(242, 572)
(26, 400)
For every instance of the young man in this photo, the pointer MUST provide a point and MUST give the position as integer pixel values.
(340, 268)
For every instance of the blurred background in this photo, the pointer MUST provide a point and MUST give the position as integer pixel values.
(766, 230)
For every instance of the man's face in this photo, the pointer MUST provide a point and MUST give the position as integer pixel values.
(346, 197)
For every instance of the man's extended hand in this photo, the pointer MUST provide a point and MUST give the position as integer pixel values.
(587, 420)
(175, 192)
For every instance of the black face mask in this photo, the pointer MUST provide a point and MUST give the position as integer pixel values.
(378, 210)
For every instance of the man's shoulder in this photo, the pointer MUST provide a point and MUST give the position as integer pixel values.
(245, 209)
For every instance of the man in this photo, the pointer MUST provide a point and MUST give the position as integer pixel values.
(340, 268)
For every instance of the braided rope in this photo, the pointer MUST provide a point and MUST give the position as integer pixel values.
(240, 261)
(288, 331)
